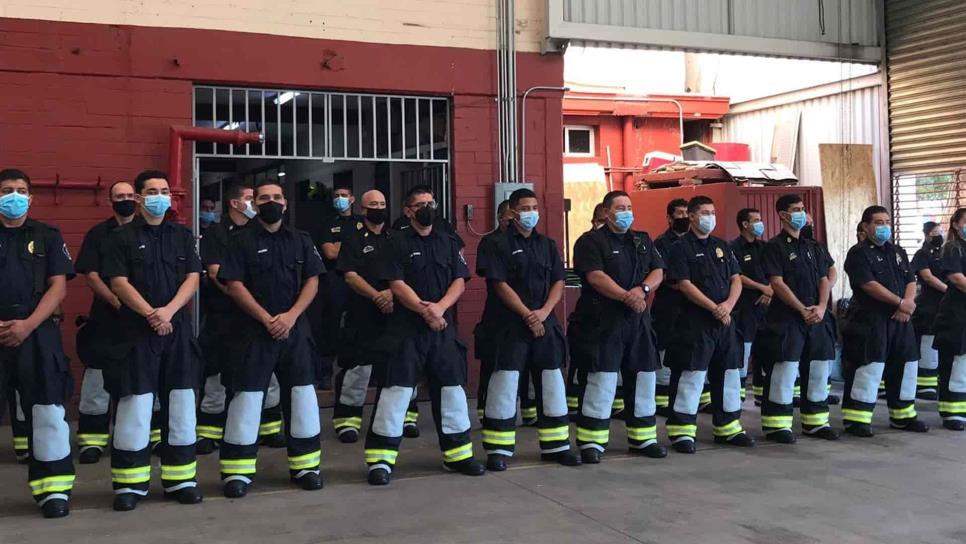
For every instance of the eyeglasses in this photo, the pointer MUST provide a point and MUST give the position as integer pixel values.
(419, 205)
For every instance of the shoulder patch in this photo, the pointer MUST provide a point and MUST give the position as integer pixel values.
(30, 247)
(359, 225)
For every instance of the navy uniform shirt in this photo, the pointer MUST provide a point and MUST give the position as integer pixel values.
(17, 266)
(361, 252)
(334, 230)
(214, 251)
(886, 264)
(440, 224)
(529, 265)
(91, 258)
(492, 306)
(929, 257)
(627, 258)
(801, 264)
(709, 264)
(272, 265)
(749, 256)
(154, 259)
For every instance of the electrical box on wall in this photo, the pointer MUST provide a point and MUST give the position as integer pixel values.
(502, 191)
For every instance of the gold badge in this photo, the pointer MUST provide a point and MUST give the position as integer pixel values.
(30, 247)
(718, 251)
(359, 225)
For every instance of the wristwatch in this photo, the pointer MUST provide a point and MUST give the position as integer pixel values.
(647, 289)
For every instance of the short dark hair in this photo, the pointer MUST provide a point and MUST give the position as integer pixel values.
(787, 201)
(675, 204)
(611, 196)
(745, 214)
(858, 228)
(520, 194)
(145, 176)
(9, 174)
(266, 183)
(695, 203)
(928, 226)
(870, 211)
(234, 191)
(416, 191)
(502, 207)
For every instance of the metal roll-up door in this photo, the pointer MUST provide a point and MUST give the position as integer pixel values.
(927, 85)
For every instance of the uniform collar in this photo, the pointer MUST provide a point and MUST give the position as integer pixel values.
(259, 228)
(514, 233)
(414, 234)
(616, 235)
(139, 222)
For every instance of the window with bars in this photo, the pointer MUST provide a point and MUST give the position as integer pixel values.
(921, 198)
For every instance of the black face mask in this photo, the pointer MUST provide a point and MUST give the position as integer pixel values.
(270, 212)
(936, 241)
(124, 208)
(807, 232)
(681, 225)
(376, 216)
(425, 216)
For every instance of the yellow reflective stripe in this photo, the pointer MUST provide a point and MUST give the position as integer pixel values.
(777, 422)
(758, 390)
(588, 435)
(642, 433)
(155, 435)
(458, 454)
(554, 433)
(272, 427)
(500, 438)
(343, 422)
(238, 466)
(136, 475)
(730, 429)
(815, 419)
(52, 484)
(828, 387)
(858, 416)
(705, 398)
(375, 456)
(927, 381)
(309, 460)
(20, 442)
(179, 472)
(412, 417)
(797, 390)
(682, 430)
(952, 407)
(618, 404)
(210, 431)
(903, 413)
(90, 439)
(479, 412)
(572, 402)
(662, 401)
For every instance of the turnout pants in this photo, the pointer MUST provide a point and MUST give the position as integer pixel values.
(18, 425)
(952, 385)
(351, 389)
(94, 421)
(212, 410)
(927, 380)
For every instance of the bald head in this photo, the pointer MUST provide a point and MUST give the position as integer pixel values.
(373, 199)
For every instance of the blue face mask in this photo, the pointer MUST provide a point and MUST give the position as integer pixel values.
(758, 228)
(157, 205)
(208, 217)
(14, 205)
(529, 219)
(340, 203)
(706, 223)
(882, 234)
(797, 220)
(963, 231)
(624, 219)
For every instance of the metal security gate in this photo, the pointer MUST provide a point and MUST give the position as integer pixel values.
(921, 198)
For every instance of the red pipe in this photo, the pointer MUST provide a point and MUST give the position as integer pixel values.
(629, 143)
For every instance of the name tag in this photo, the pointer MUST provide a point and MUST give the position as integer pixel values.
(415, 254)
(336, 229)
(792, 256)
(517, 251)
(263, 250)
(616, 252)
(368, 249)
(700, 255)
(142, 246)
(747, 258)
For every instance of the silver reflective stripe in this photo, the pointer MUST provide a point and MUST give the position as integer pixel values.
(51, 497)
(865, 386)
(746, 357)
(19, 402)
(501, 394)
(213, 401)
(51, 435)
(273, 395)
(531, 392)
(94, 400)
(305, 412)
(354, 385)
(663, 374)
(818, 380)
(782, 383)
(244, 415)
(690, 385)
(731, 395)
(907, 389)
(644, 403)
(554, 393)
(391, 411)
(957, 376)
(929, 357)
(181, 417)
(599, 394)
(123, 490)
(180, 486)
(132, 422)
(156, 407)
(620, 380)
(453, 410)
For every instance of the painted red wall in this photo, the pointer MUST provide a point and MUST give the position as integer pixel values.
(650, 134)
(88, 101)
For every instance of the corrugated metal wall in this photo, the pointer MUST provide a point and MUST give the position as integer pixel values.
(927, 85)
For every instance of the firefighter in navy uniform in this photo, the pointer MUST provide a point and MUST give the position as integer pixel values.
(950, 327)
(427, 274)
(219, 338)
(154, 270)
(797, 339)
(35, 266)
(756, 293)
(618, 268)
(370, 304)
(272, 273)
(927, 265)
(98, 332)
(879, 340)
(523, 268)
(704, 342)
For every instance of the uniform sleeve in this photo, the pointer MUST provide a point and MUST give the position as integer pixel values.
(325, 235)
(390, 267)
(116, 263)
(491, 263)
(89, 258)
(483, 256)
(677, 267)
(348, 260)
(313, 265)
(657, 258)
(213, 246)
(58, 256)
(460, 269)
(557, 272)
(731, 261)
(587, 256)
(910, 273)
(858, 269)
(233, 266)
(771, 261)
(191, 254)
(952, 260)
(920, 261)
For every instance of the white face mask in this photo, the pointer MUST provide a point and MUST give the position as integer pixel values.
(249, 210)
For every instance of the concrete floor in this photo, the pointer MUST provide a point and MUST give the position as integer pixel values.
(896, 487)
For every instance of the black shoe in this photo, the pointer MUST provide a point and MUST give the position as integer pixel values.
(55, 508)
(205, 446)
(496, 462)
(156, 448)
(861, 430)
(89, 456)
(954, 425)
(590, 456)
(684, 446)
(466, 467)
(410, 431)
(617, 414)
(740, 440)
(705, 409)
(654, 451)
(664, 411)
(379, 476)
(758, 402)
(185, 495)
(928, 394)
(567, 458)
(274, 441)
(348, 436)
(782, 437)
(310, 481)
(834, 400)
(796, 402)
(235, 489)
(914, 426)
(825, 433)
(23, 458)
(529, 422)
(125, 502)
